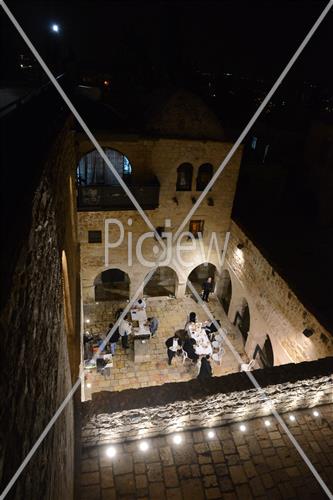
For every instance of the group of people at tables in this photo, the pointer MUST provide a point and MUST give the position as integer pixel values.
(194, 342)
(125, 326)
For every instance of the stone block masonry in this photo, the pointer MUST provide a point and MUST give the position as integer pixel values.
(39, 330)
(113, 417)
(260, 463)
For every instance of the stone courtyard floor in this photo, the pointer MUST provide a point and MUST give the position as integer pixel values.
(259, 463)
(172, 314)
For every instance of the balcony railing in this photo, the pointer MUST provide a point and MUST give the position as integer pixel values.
(96, 198)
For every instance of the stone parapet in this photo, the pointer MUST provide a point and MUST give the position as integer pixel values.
(152, 411)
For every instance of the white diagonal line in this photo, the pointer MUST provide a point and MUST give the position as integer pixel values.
(255, 116)
(80, 120)
(262, 392)
(40, 439)
(71, 393)
(146, 219)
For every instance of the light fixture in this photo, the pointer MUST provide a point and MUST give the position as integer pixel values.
(315, 413)
(211, 434)
(55, 28)
(267, 423)
(87, 320)
(111, 451)
(177, 439)
(292, 418)
(88, 385)
(143, 445)
(242, 427)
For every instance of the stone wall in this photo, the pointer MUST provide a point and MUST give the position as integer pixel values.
(274, 309)
(132, 414)
(160, 157)
(41, 338)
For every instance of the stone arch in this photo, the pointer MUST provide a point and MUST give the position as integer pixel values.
(68, 316)
(242, 318)
(112, 284)
(92, 169)
(199, 274)
(163, 282)
(225, 287)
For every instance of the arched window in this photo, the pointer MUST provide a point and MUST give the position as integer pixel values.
(184, 177)
(92, 169)
(205, 174)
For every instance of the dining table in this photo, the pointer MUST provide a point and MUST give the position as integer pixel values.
(203, 346)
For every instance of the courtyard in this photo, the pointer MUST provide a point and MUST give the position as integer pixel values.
(172, 314)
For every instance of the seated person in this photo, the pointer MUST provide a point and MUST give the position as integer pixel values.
(210, 329)
(188, 346)
(173, 344)
(114, 338)
(153, 325)
(205, 369)
(191, 319)
(139, 304)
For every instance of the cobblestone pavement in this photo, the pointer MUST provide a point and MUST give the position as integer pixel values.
(259, 463)
(172, 314)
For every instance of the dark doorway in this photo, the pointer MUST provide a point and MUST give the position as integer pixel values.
(162, 283)
(199, 275)
(226, 290)
(242, 320)
(112, 284)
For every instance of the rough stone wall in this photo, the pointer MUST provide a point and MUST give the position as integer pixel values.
(274, 309)
(160, 157)
(41, 349)
(190, 405)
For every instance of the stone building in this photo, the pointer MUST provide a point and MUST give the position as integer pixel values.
(52, 268)
(170, 164)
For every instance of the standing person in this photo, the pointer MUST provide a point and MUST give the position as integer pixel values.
(125, 329)
(205, 369)
(114, 338)
(207, 288)
(153, 325)
(173, 344)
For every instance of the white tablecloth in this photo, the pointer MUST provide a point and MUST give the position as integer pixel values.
(138, 315)
(203, 345)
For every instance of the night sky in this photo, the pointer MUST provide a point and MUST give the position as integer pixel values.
(251, 38)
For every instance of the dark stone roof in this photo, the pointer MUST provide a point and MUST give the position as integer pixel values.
(181, 114)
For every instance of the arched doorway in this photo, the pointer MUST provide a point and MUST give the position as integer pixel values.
(266, 355)
(162, 283)
(112, 284)
(242, 319)
(226, 290)
(199, 275)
